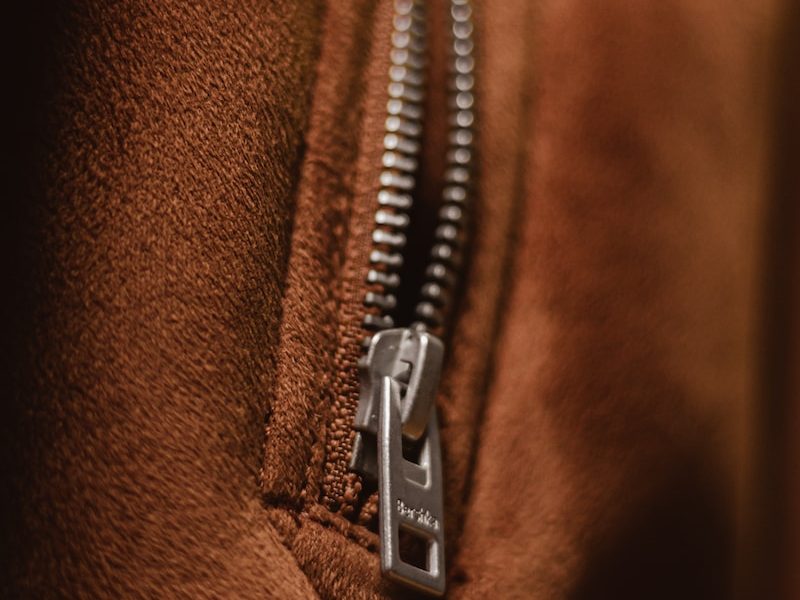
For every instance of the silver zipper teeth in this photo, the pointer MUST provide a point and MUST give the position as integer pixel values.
(404, 116)
(401, 367)
(400, 161)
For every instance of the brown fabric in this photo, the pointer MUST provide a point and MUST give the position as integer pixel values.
(629, 357)
(303, 394)
(504, 113)
(770, 548)
(160, 145)
(339, 486)
(192, 195)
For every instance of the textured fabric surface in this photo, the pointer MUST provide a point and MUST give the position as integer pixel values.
(160, 144)
(188, 223)
(610, 457)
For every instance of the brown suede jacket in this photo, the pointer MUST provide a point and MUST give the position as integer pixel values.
(190, 204)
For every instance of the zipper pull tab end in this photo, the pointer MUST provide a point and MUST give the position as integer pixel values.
(410, 498)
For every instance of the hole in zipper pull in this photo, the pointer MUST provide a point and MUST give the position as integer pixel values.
(414, 548)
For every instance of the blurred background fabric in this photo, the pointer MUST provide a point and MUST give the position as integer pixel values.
(636, 432)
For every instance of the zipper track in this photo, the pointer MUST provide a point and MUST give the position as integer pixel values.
(400, 165)
(401, 362)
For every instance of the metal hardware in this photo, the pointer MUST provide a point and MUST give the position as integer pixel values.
(412, 358)
(410, 496)
(399, 378)
(401, 368)
(404, 124)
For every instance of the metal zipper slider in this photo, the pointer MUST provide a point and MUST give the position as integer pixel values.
(400, 376)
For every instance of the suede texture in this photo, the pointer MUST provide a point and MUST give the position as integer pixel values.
(188, 229)
(158, 146)
(610, 457)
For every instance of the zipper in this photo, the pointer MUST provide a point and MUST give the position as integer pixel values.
(396, 444)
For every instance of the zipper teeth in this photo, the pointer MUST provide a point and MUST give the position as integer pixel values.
(404, 123)
(447, 252)
(401, 149)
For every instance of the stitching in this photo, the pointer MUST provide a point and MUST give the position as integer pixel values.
(313, 485)
(304, 162)
(320, 515)
(289, 545)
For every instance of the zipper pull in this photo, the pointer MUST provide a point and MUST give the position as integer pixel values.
(400, 376)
